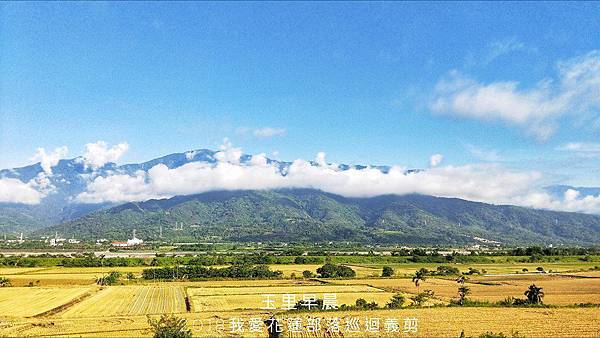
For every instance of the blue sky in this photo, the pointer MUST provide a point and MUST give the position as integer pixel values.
(356, 80)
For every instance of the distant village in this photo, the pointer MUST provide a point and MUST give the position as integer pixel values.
(58, 241)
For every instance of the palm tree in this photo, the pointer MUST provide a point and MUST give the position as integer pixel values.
(463, 290)
(419, 276)
(534, 294)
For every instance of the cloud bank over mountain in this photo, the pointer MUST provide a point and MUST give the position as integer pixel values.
(230, 169)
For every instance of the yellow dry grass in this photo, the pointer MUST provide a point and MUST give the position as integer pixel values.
(431, 322)
(216, 291)
(256, 302)
(25, 302)
(250, 282)
(558, 290)
(490, 268)
(239, 298)
(121, 310)
(297, 269)
(131, 300)
(13, 271)
(90, 270)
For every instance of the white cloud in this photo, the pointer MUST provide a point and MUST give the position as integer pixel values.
(99, 153)
(482, 182)
(435, 160)
(189, 155)
(228, 153)
(485, 182)
(537, 109)
(14, 191)
(47, 161)
(587, 149)
(571, 201)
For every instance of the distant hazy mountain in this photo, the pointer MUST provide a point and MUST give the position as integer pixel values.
(70, 178)
(315, 216)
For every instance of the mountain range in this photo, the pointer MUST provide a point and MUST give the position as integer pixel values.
(309, 215)
(287, 215)
(70, 178)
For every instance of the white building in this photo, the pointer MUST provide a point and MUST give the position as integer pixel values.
(134, 241)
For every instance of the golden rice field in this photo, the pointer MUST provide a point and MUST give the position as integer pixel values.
(559, 290)
(71, 310)
(26, 302)
(131, 300)
(431, 322)
(494, 268)
(245, 298)
(61, 276)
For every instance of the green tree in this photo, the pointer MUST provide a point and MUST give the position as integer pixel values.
(419, 276)
(169, 326)
(387, 272)
(422, 297)
(463, 290)
(534, 294)
(307, 274)
(335, 271)
(111, 279)
(396, 302)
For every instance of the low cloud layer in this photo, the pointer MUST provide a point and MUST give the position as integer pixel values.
(490, 183)
(13, 190)
(576, 90)
(482, 182)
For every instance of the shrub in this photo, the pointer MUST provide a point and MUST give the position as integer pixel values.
(387, 271)
(309, 305)
(444, 270)
(473, 271)
(396, 302)
(362, 304)
(5, 282)
(422, 297)
(307, 274)
(490, 334)
(169, 326)
(111, 279)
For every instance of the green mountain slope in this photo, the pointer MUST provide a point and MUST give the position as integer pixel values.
(315, 216)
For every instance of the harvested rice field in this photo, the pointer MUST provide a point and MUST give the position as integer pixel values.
(131, 300)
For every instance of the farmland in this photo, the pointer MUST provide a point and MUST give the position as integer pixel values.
(131, 300)
(67, 302)
(27, 302)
